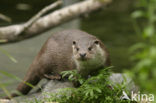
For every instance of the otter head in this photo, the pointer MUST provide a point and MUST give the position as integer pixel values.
(88, 55)
(85, 50)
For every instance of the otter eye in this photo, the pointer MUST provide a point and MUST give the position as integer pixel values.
(96, 42)
(74, 42)
(90, 48)
(77, 49)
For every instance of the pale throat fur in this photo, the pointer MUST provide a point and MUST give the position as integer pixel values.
(95, 58)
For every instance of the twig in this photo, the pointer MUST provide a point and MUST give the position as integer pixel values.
(5, 18)
(40, 13)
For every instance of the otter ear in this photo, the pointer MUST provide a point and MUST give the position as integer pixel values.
(74, 42)
(96, 42)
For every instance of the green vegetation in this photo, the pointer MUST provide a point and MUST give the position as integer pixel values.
(96, 89)
(2, 85)
(144, 53)
(8, 55)
(140, 59)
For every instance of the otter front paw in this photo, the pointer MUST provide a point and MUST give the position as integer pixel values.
(52, 77)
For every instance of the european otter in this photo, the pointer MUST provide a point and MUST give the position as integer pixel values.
(66, 50)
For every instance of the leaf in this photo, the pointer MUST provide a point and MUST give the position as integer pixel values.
(137, 46)
(86, 94)
(148, 31)
(15, 77)
(91, 93)
(5, 90)
(8, 55)
(81, 81)
(98, 90)
(64, 73)
(70, 77)
(137, 14)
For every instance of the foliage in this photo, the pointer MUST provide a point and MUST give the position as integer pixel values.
(144, 71)
(8, 55)
(96, 89)
(2, 86)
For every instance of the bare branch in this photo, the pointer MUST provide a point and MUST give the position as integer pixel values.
(5, 18)
(13, 33)
(43, 11)
(9, 33)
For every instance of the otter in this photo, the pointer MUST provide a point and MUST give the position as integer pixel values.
(65, 50)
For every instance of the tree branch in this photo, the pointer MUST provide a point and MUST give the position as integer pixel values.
(12, 32)
(35, 26)
(43, 11)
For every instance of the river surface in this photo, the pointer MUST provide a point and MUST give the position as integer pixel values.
(113, 26)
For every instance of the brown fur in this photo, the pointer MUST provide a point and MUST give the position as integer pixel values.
(55, 56)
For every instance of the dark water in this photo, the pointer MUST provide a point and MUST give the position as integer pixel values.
(112, 25)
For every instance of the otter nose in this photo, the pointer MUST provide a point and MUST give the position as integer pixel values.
(82, 55)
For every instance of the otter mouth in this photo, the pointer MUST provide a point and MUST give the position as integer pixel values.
(83, 59)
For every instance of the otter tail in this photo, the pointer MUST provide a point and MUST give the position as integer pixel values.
(25, 86)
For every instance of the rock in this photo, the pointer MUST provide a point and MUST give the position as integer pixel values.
(4, 101)
(54, 86)
(119, 78)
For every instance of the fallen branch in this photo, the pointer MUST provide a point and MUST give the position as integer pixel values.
(15, 32)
